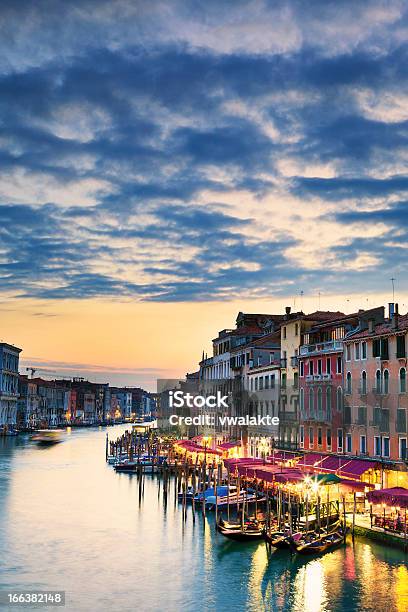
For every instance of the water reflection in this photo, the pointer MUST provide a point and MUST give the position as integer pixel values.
(117, 541)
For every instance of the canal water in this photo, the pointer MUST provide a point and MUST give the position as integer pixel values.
(68, 522)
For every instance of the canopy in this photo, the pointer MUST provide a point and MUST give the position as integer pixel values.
(396, 496)
(333, 463)
(356, 467)
(310, 460)
(227, 445)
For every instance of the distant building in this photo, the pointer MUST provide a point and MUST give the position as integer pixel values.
(9, 360)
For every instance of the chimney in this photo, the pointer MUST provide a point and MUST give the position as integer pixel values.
(395, 319)
(391, 310)
(287, 311)
(370, 326)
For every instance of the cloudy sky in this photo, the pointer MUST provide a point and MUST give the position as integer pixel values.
(166, 164)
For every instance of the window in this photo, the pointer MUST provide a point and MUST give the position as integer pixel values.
(302, 436)
(363, 383)
(302, 400)
(339, 439)
(402, 380)
(363, 445)
(266, 382)
(349, 383)
(339, 365)
(295, 380)
(256, 384)
(311, 368)
(328, 403)
(364, 350)
(377, 446)
(378, 381)
(339, 399)
(362, 415)
(328, 438)
(302, 369)
(386, 383)
(376, 347)
(311, 403)
(296, 329)
(328, 365)
(272, 381)
(284, 333)
(319, 403)
(357, 351)
(348, 352)
(401, 424)
(311, 437)
(348, 443)
(403, 448)
(261, 383)
(283, 381)
(380, 348)
(319, 436)
(401, 352)
(386, 447)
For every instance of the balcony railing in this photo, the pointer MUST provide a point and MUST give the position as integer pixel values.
(321, 347)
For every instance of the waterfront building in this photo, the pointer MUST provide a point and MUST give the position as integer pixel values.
(293, 331)
(375, 387)
(9, 360)
(122, 397)
(321, 378)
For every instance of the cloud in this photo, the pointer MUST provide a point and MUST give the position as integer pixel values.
(180, 151)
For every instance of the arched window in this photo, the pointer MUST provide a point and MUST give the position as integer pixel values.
(339, 399)
(403, 380)
(328, 403)
(311, 403)
(319, 403)
(348, 383)
(386, 381)
(378, 381)
(363, 382)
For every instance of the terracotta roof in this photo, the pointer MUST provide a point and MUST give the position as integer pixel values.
(382, 329)
(324, 315)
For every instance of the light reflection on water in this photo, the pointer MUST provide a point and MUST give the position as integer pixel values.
(69, 522)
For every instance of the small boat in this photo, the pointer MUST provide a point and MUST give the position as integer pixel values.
(318, 545)
(250, 531)
(189, 494)
(47, 437)
(282, 539)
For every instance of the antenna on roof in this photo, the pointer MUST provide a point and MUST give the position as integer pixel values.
(301, 300)
(393, 288)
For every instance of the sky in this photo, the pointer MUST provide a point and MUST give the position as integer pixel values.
(164, 165)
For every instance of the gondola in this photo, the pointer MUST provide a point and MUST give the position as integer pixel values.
(250, 531)
(282, 539)
(320, 544)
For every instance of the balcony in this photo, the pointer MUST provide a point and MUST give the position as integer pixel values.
(294, 361)
(318, 378)
(333, 346)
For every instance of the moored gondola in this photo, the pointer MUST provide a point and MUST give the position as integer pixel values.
(320, 544)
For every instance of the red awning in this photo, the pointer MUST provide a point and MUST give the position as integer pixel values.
(333, 463)
(396, 496)
(228, 445)
(310, 460)
(356, 467)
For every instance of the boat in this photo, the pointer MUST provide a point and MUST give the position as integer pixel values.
(47, 437)
(237, 524)
(188, 495)
(323, 544)
(282, 539)
(246, 533)
(317, 544)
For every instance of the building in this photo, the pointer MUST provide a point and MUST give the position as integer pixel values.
(321, 379)
(9, 361)
(375, 387)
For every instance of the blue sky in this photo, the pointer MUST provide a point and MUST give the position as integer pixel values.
(188, 151)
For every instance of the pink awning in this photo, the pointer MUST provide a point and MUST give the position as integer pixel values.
(310, 460)
(356, 467)
(227, 445)
(333, 463)
(396, 496)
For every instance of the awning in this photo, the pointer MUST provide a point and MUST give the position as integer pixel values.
(396, 496)
(356, 467)
(355, 485)
(333, 463)
(310, 460)
(280, 455)
(227, 445)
